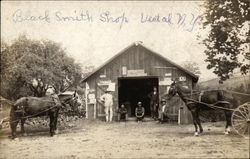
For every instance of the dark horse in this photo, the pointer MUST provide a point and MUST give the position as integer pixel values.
(197, 102)
(30, 107)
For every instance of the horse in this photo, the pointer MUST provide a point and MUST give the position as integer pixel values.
(205, 100)
(31, 107)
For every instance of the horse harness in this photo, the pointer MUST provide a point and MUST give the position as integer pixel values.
(20, 109)
(213, 106)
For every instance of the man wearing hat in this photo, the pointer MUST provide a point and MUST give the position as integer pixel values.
(107, 100)
(163, 110)
(139, 112)
(122, 113)
(51, 93)
(154, 101)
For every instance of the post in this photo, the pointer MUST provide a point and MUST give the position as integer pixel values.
(95, 109)
(180, 115)
(86, 99)
(191, 89)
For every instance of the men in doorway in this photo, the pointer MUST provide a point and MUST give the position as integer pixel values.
(163, 110)
(139, 112)
(107, 100)
(154, 103)
(122, 113)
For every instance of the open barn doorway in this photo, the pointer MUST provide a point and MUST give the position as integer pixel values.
(131, 90)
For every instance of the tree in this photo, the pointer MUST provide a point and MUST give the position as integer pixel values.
(227, 43)
(31, 66)
(88, 69)
(192, 67)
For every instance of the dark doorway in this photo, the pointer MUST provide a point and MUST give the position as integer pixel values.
(131, 90)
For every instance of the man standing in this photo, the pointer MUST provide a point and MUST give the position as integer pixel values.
(107, 99)
(139, 112)
(51, 93)
(154, 103)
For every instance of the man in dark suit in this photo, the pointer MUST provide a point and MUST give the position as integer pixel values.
(154, 103)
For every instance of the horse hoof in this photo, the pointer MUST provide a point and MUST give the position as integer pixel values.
(24, 134)
(226, 133)
(16, 139)
(52, 134)
(57, 131)
(196, 134)
(12, 138)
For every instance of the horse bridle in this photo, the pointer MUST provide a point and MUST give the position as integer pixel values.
(172, 90)
(67, 101)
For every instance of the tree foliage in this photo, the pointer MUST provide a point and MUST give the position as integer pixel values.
(192, 67)
(88, 69)
(29, 67)
(227, 43)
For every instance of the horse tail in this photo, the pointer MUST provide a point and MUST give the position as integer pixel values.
(221, 95)
(18, 106)
(224, 95)
(13, 120)
(235, 102)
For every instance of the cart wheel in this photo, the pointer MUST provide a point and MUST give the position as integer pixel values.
(1, 124)
(241, 119)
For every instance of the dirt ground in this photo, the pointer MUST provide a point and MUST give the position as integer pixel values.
(97, 139)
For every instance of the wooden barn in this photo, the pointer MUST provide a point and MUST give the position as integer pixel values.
(131, 75)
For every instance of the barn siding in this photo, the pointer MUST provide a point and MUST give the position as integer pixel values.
(136, 57)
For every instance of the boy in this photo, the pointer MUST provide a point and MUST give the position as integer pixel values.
(139, 112)
(122, 113)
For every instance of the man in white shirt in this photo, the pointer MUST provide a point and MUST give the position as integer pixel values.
(107, 100)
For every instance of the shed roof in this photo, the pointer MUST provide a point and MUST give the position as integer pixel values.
(195, 77)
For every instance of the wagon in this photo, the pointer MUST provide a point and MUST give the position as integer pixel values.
(241, 119)
(5, 106)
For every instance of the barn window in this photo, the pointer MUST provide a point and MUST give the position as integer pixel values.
(124, 70)
(103, 74)
(182, 78)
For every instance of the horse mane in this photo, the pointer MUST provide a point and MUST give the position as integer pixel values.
(183, 89)
(25, 99)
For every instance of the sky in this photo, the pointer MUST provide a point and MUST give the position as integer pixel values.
(93, 32)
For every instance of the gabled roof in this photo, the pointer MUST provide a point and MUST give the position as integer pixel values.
(195, 77)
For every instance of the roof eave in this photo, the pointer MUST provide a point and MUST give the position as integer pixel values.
(195, 77)
(105, 63)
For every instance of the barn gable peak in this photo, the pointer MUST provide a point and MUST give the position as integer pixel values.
(140, 43)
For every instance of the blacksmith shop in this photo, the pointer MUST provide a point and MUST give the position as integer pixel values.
(130, 76)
